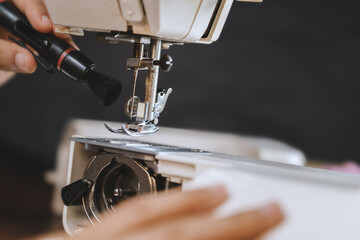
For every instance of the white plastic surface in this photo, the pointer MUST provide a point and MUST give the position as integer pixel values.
(97, 15)
(171, 18)
(220, 20)
(315, 209)
(201, 22)
(209, 141)
(185, 20)
(132, 10)
(73, 158)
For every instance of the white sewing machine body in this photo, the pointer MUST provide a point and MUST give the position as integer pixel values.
(199, 21)
(318, 204)
(108, 168)
(151, 26)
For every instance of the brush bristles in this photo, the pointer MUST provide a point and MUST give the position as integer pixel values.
(106, 88)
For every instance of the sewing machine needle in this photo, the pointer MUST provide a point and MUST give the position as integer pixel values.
(136, 71)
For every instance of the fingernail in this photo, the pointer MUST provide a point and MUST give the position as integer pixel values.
(46, 21)
(270, 210)
(74, 45)
(217, 190)
(20, 62)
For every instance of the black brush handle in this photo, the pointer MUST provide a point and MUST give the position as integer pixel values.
(54, 50)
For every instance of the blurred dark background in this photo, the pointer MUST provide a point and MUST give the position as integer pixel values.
(285, 69)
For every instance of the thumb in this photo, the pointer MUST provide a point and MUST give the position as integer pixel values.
(16, 59)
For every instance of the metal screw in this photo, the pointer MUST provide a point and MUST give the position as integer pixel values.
(196, 150)
(117, 192)
(46, 43)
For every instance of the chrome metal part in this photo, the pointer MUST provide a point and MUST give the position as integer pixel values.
(131, 106)
(115, 179)
(139, 64)
(139, 129)
(133, 146)
(162, 98)
(147, 111)
(119, 169)
(118, 192)
(152, 76)
(116, 37)
(138, 50)
(135, 129)
(112, 129)
(136, 72)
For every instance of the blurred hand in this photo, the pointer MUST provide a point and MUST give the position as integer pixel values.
(346, 167)
(181, 216)
(14, 58)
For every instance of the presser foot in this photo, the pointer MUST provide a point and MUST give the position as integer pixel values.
(134, 129)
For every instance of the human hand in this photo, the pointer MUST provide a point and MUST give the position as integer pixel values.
(181, 216)
(14, 58)
(346, 167)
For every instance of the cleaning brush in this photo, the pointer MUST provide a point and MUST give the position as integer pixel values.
(54, 53)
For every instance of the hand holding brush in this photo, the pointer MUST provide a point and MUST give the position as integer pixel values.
(49, 51)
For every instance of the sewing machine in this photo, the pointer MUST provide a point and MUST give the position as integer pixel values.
(150, 25)
(104, 169)
(99, 169)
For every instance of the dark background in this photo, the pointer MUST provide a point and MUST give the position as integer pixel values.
(285, 69)
(282, 69)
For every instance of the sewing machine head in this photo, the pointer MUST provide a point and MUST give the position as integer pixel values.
(151, 25)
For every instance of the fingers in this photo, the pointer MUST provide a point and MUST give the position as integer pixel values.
(173, 205)
(244, 226)
(37, 14)
(186, 216)
(15, 58)
(140, 213)
(5, 76)
(3, 33)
